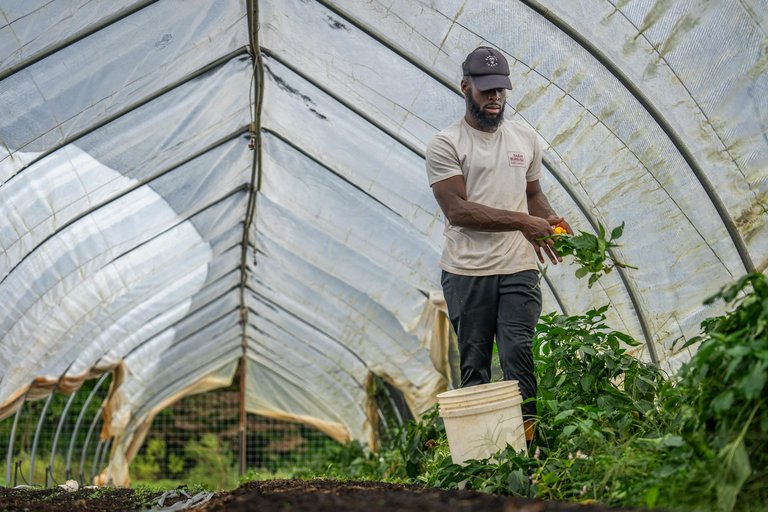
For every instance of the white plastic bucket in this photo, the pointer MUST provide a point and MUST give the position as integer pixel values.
(481, 420)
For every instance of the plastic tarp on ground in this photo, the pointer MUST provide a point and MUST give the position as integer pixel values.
(188, 184)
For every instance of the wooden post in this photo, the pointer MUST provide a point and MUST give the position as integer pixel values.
(243, 417)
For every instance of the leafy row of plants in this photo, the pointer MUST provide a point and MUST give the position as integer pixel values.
(611, 428)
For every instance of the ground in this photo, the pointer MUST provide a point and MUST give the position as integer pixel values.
(288, 496)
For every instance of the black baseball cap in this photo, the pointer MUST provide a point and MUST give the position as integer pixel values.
(488, 69)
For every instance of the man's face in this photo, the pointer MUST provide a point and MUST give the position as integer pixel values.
(486, 107)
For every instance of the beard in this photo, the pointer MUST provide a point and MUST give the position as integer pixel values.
(484, 120)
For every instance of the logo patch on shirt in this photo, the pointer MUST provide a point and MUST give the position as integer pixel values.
(516, 158)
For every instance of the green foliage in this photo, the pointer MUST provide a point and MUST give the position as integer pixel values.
(590, 252)
(404, 457)
(727, 382)
(145, 494)
(613, 429)
(175, 464)
(589, 384)
(417, 440)
(149, 465)
(599, 428)
(260, 474)
(507, 472)
(29, 417)
(154, 462)
(214, 466)
(210, 463)
(41, 465)
(354, 461)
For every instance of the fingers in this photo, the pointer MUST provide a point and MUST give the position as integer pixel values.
(550, 250)
(564, 224)
(555, 221)
(560, 222)
(539, 234)
(547, 246)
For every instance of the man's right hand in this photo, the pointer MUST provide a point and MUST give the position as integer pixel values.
(535, 229)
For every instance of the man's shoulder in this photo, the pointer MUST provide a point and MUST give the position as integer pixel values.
(518, 128)
(450, 131)
(446, 137)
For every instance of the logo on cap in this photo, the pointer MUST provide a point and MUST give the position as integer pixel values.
(488, 68)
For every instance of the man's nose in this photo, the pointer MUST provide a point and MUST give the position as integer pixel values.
(495, 93)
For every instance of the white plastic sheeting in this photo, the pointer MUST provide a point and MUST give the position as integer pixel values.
(140, 234)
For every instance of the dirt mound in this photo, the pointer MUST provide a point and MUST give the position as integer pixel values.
(59, 500)
(288, 496)
(343, 496)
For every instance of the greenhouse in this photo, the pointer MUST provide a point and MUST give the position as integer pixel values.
(221, 207)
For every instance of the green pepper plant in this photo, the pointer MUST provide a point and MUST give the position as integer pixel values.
(592, 253)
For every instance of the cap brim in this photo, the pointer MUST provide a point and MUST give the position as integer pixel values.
(488, 82)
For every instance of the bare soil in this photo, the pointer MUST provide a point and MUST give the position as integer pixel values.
(289, 496)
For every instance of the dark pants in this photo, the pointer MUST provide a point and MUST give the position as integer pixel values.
(505, 307)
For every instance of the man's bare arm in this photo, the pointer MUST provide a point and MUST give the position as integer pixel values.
(451, 195)
(538, 206)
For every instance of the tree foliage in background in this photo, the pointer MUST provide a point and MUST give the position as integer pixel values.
(214, 463)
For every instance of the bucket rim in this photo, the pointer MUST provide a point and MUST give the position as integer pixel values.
(483, 408)
(479, 389)
(478, 399)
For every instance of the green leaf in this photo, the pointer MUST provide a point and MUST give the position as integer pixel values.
(651, 497)
(553, 405)
(646, 380)
(585, 241)
(627, 339)
(563, 415)
(581, 272)
(586, 382)
(723, 401)
(667, 470)
(753, 382)
(735, 469)
(601, 310)
(617, 232)
(672, 441)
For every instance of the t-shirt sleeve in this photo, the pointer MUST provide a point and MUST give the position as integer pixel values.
(442, 161)
(534, 170)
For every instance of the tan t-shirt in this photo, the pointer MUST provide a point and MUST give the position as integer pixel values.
(496, 168)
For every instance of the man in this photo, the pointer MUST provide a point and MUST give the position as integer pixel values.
(484, 173)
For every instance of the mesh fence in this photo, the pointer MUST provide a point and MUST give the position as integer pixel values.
(51, 440)
(196, 441)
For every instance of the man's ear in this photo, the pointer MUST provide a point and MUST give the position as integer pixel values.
(465, 85)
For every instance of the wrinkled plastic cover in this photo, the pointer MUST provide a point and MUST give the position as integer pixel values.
(140, 234)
